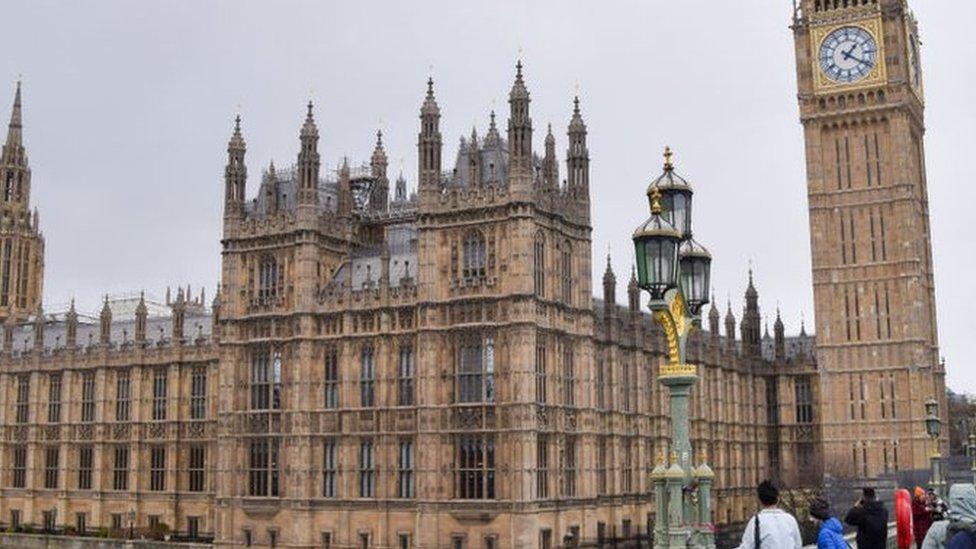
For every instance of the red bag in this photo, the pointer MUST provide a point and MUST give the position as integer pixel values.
(903, 518)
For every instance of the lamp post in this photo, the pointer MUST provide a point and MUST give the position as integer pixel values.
(132, 523)
(674, 270)
(933, 426)
(971, 452)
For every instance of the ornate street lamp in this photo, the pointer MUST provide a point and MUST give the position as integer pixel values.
(675, 270)
(933, 426)
(971, 452)
(132, 522)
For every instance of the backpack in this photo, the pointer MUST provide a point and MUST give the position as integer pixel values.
(962, 540)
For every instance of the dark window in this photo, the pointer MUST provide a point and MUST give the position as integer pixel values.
(545, 539)
(473, 267)
(86, 461)
(50, 520)
(54, 398)
(159, 395)
(404, 541)
(23, 396)
(19, 475)
(193, 527)
(405, 469)
(601, 465)
(265, 379)
(198, 394)
(51, 459)
(367, 377)
(539, 265)
(15, 518)
(566, 272)
(569, 467)
(197, 475)
(330, 468)
(541, 393)
(475, 467)
(88, 397)
(476, 370)
(326, 540)
(157, 469)
(247, 538)
(367, 470)
(81, 523)
(122, 396)
(116, 521)
(270, 283)
(263, 467)
(804, 401)
(542, 465)
(569, 375)
(331, 378)
(120, 469)
(405, 374)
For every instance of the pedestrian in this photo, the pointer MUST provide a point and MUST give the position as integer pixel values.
(962, 518)
(771, 527)
(921, 516)
(937, 506)
(831, 534)
(870, 518)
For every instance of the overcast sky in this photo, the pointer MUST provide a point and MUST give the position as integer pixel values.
(128, 107)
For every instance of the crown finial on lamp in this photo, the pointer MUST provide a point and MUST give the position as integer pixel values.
(668, 159)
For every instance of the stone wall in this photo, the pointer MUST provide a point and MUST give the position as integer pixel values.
(40, 541)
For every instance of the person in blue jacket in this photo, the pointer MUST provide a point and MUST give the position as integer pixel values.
(831, 535)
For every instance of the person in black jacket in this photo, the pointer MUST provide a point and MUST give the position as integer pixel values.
(870, 518)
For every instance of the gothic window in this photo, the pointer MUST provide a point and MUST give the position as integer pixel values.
(476, 369)
(475, 467)
(367, 470)
(159, 395)
(263, 467)
(22, 272)
(198, 457)
(367, 377)
(541, 465)
(86, 461)
(8, 187)
(330, 468)
(122, 396)
(539, 265)
(628, 465)
(23, 394)
(473, 265)
(600, 385)
(601, 465)
(198, 394)
(804, 401)
(772, 402)
(88, 397)
(120, 468)
(541, 396)
(19, 475)
(265, 379)
(331, 378)
(566, 272)
(569, 375)
(157, 468)
(5, 273)
(51, 459)
(270, 281)
(569, 466)
(54, 398)
(405, 376)
(405, 461)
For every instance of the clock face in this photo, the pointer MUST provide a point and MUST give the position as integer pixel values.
(848, 54)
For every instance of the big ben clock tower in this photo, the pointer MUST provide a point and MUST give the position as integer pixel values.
(862, 109)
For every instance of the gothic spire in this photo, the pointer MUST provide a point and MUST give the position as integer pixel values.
(308, 161)
(578, 156)
(235, 173)
(609, 287)
(550, 167)
(429, 144)
(519, 125)
(492, 139)
(15, 128)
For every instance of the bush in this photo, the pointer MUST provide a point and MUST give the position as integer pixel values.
(158, 531)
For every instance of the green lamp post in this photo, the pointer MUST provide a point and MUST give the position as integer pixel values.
(933, 426)
(675, 270)
(971, 452)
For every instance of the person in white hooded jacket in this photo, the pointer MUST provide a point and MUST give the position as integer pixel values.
(962, 517)
(772, 527)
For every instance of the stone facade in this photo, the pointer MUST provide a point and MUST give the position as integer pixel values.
(429, 370)
(877, 341)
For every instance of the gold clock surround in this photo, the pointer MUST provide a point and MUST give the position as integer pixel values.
(877, 76)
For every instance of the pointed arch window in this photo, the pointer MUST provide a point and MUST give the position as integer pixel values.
(566, 271)
(476, 369)
(271, 276)
(539, 265)
(473, 260)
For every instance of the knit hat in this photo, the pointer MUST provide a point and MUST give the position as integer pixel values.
(919, 492)
(820, 509)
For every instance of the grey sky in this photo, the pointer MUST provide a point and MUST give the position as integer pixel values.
(128, 107)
